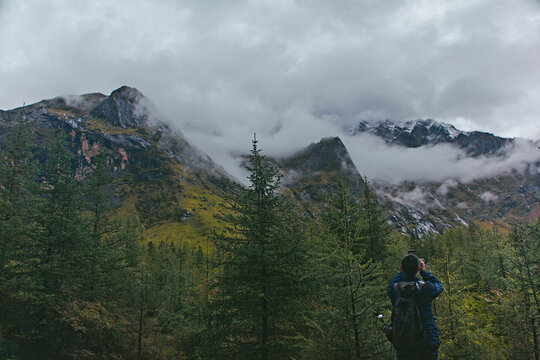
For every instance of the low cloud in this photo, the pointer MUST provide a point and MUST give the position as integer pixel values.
(463, 205)
(244, 64)
(441, 163)
(295, 130)
(292, 71)
(446, 186)
(488, 196)
(379, 161)
(415, 196)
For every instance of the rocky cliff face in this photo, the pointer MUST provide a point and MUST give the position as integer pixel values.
(125, 122)
(327, 156)
(176, 189)
(160, 178)
(125, 107)
(312, 174)
(419, 133)
(419, 208)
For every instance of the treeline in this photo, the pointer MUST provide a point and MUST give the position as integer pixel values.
(77, 283)
(490, 307)
(69, 274)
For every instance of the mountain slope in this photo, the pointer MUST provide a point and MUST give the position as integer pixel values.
(176, 191)
(311, 174)
(424, 206)
(171, 187)
(420, 207)
(419, 133)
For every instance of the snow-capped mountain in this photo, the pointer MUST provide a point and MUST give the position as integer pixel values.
(417, 133)
(422, 206)
(176, 189)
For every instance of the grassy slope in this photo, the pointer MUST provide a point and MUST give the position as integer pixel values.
(173, 206)
(176, 206)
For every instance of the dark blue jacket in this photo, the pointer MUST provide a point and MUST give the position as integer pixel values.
(428, 292)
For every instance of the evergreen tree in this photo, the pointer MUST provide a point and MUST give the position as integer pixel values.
(525, 241)
(374, 229)
(351, 283)
(60, 265)
(263, 294)
(105, 251)
(465, 315)
(19, 203)
(56, 304)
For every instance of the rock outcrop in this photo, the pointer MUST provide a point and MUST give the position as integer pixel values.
(419, 133)
(125, 107)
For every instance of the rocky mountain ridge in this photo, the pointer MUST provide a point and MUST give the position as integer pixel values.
(176, 189)
(417, 133)
(421, 207)
(161, 180)
(125, 119)
(417, 208)
(312, 174)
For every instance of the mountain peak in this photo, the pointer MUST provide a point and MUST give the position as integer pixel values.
(128, 92)
(417, 133)
(125, 107)
(313, 173)
(328, 154)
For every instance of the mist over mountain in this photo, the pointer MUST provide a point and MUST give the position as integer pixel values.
(419, 133)
(250, 191)
(430, 176)
(426, 150)
(159, 178)
(501, 186)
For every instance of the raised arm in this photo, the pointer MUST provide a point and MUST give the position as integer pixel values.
(432, 286)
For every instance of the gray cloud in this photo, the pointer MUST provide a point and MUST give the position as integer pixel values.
(292, 71)
(488, 196)
(440, 163)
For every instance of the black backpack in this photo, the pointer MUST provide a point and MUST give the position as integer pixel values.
(408, 331)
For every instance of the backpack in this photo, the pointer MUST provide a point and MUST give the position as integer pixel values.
(408, 331)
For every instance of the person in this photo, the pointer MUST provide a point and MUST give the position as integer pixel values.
(428, 290)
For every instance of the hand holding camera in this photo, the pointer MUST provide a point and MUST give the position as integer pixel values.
(422, 265)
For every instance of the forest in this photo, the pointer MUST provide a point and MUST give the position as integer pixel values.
(78, 282)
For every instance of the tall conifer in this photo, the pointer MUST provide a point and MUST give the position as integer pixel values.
(374, 229)
(18, 228)
(350, 282)
(263, 257)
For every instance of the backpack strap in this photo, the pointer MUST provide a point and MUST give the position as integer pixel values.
(397, 290)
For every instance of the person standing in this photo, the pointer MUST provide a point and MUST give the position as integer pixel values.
(406, 291)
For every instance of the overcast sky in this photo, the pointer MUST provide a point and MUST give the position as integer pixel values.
(292, 71)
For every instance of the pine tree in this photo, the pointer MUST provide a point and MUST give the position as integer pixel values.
(18, 172)
(63, 310)
(104, 252)
(525, 240)
(63, 226)
(263, 258)
(467, 313)
(19, 202)
(374, 228)
(59, 266)
(351, 284)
